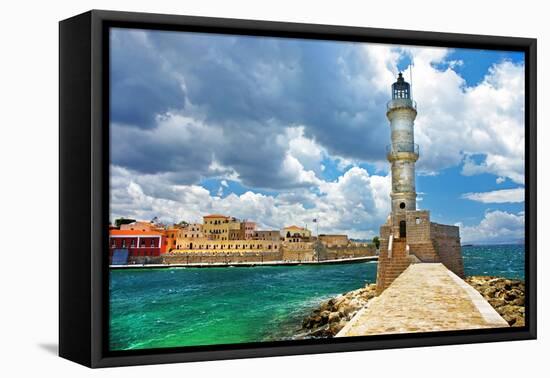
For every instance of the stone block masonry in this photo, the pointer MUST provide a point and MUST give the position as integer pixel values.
(391, 265)
(446, 241)
(219, 258)
(416, 239)
(426, 297)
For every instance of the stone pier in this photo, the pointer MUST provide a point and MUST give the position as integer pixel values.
(426, 297)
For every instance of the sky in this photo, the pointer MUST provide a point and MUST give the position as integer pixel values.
(284, 131)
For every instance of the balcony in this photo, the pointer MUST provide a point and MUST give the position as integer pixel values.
(396, 148)
(397, 103)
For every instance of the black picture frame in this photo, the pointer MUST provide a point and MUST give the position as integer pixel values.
(84, 190)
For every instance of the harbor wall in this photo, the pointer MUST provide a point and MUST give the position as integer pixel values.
(217, 257)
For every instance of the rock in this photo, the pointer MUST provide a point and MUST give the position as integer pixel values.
(333, 314)
(334, 317)
(339, 300)
(335, 327)
(506, 296)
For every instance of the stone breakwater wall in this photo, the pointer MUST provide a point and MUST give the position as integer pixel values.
(219, 257)
(298, 254)
(316, 251)
(335, 253)
(506, 296)
(141, 260)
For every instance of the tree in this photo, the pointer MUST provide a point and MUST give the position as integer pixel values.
(121, 221)
(376, 241)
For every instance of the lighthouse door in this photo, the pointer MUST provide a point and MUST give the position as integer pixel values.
(402, 229)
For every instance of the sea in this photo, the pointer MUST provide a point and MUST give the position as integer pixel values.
(175, 307)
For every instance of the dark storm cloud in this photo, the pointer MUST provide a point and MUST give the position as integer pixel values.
(246, 90)
(141, 86)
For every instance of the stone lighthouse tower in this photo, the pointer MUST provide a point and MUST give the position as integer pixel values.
(402, 153)
(408, 236)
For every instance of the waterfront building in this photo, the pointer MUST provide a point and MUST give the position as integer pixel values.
(171, 235)
(216, 226)
(408, 236)
(296, 234)
(139, 225)
(137, 242)
(236, 234)
(225, 234)
(334, 240)
(274, 235)
(191, 231)
(247, 229)
(227, 246)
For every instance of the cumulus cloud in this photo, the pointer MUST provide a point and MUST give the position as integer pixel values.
(480, 127)
(241, 92)
(496, 226)
(498, 196)
(357, 203)
(270, 112)
(238, 96)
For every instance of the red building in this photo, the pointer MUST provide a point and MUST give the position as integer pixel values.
(137, 242)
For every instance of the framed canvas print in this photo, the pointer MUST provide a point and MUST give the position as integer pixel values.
(234, 188)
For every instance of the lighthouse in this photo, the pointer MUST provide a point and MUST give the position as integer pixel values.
(402, 153)
(409, 236)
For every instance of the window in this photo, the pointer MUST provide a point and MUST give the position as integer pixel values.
(418, 220)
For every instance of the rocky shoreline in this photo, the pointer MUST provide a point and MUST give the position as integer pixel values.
(333, 314)
(507, 297)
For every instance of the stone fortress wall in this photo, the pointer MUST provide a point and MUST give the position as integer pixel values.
(446, 240)
(424, 241)
(351, 250)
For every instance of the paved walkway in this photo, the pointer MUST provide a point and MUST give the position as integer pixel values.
(425, 297)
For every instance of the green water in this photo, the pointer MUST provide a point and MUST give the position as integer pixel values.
(154, 308)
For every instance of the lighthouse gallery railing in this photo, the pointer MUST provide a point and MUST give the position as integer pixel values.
(401, 103)
(395, 148)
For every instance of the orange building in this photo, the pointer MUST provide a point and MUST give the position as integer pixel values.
(171, 236)
(137, 242)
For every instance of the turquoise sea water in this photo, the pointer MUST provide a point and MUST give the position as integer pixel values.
(495, 260)
(154, 308)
